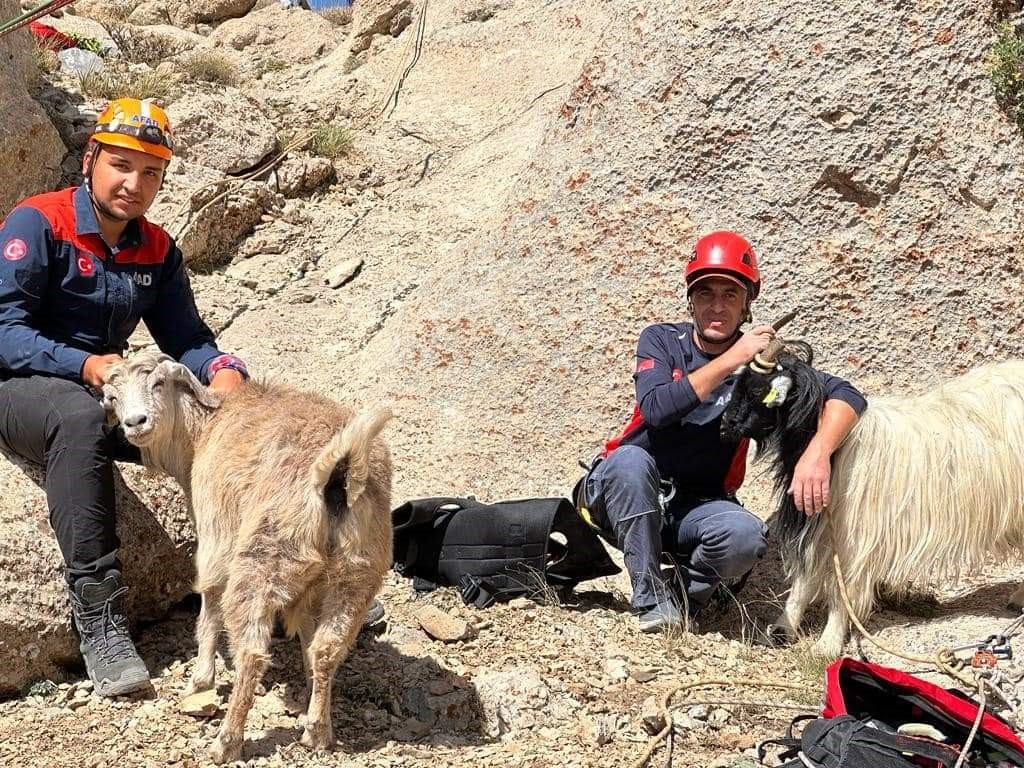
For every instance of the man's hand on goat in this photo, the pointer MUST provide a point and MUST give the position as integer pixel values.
(94, 370)
(226, 380)
(810, 486)
(750, 343)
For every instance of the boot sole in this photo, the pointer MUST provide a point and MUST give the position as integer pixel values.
(129, 682)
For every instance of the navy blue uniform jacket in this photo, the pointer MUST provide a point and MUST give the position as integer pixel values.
(677, 429)
(65, 295)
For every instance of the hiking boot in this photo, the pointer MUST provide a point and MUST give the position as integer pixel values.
(665, 615)
(110, 657)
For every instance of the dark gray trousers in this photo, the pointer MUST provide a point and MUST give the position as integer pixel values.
(61, 426)
(710, 539)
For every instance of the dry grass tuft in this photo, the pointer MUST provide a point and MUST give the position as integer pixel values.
(113, 84)
(209, 66)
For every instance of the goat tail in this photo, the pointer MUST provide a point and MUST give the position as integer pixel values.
(350, 447)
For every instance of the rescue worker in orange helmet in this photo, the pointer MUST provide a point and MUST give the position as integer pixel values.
(79, 269)
(668, 482)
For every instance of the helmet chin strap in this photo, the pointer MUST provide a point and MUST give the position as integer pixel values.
(101, 209)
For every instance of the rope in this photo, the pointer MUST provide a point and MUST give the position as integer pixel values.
(32, 15)
(943, 659)
(977, 723)
(421, 25)
(666, 700)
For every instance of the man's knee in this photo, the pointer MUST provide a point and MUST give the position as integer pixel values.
(81, 422)
(738, 540)
(632, 465)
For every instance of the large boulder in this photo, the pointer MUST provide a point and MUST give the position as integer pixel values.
(287, 35)
(205, 221)
(207, 11)
(36, 638)
(30, 147)
(378, 17)
(226, 130)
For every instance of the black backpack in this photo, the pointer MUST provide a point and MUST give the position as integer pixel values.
(846, 742)
(495, 551)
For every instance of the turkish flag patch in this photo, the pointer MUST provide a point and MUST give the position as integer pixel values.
(644, 364)
(15, 250)
(85, 266)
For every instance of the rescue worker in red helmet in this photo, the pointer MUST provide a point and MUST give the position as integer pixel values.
(79, 269)
(667, 483)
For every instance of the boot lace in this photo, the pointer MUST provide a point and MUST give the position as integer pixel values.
(106, 627)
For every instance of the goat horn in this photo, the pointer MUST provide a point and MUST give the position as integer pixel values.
(764, 362)
(785, 320)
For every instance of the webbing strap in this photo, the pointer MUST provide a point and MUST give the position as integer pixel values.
(32, 14)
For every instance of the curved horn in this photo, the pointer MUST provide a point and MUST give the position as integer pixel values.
(764, 362)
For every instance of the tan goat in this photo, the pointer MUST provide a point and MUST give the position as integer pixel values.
(291, 495)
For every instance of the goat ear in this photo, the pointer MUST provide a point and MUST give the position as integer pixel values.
(776, 396)
(107, 401)
(182, 375)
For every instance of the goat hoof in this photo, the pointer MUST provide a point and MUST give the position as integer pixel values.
(198, 686)
(318, 739)
(225, 751)
(825, 650)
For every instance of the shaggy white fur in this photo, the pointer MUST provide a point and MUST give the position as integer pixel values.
(925, 487)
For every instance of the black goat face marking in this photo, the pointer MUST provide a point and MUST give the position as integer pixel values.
(753, 411)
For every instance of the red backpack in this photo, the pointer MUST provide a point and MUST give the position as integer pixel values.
(865, 705)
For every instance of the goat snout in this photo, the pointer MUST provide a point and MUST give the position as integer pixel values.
(135, 420)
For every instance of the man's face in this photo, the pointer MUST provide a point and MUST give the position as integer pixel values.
(124, 181)
(719, 305)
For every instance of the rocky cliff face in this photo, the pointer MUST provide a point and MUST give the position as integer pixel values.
(30, 149)
(553, 188)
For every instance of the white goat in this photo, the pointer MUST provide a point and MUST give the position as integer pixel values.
(291, 495)
(925, 486)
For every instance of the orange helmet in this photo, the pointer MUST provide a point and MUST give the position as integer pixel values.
(135, 124)
(724, 254)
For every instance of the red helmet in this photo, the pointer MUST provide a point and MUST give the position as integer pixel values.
(724, 254)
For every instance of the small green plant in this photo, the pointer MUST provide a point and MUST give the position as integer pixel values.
(86, 43)
(332, 141)
(44, 688)
(210, 66)
(1006, 70)
(352, 63)
(113, 84)
(810, 666)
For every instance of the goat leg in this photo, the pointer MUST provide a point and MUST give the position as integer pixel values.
(1017, 600)
(306, 628)
(801, 594)
(249, 617)
(860, 589)
(339, 626)
(208, 629)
